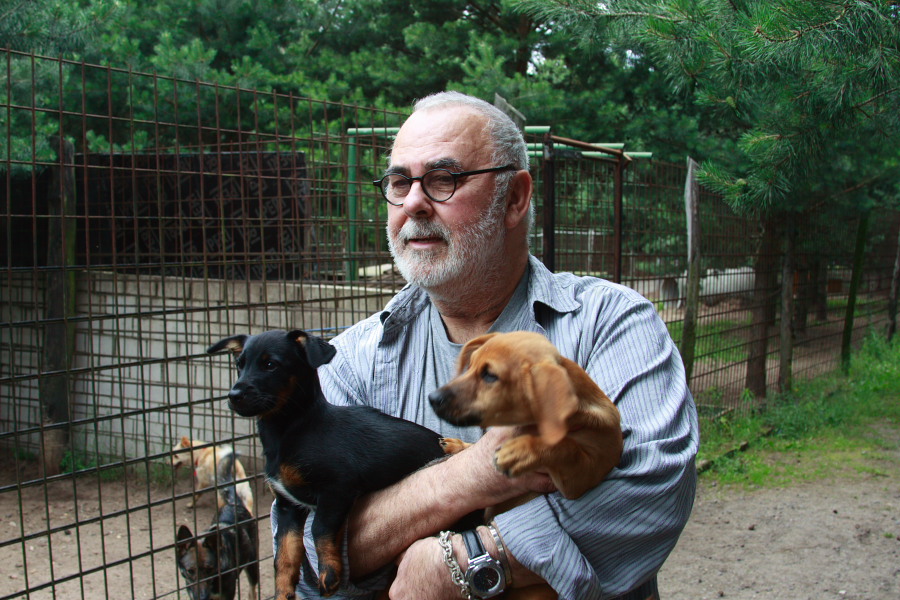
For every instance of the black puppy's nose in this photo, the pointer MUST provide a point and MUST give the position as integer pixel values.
(439, 397)
(237, 390)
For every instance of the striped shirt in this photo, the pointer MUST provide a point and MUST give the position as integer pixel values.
(614, 538)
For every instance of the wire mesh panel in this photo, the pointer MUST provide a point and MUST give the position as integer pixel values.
(144, 218)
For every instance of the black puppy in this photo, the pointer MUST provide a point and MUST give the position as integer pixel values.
(317, 454)
(211, 563)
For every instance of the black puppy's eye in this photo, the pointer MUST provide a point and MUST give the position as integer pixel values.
(487, 376)
(270, 365)
(239, 361)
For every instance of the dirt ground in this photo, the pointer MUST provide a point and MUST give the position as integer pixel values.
(828, 539)
(838, 538)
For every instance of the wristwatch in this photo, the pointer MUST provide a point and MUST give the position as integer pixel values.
(484, 575)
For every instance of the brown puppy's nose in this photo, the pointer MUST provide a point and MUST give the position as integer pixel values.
(439, 397)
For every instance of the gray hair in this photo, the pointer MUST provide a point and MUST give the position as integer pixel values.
(509, 143)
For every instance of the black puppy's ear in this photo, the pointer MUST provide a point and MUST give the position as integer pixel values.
(318, 351)
(234, 343)
(184, 539)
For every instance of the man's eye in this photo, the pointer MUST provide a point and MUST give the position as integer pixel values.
(399, 185)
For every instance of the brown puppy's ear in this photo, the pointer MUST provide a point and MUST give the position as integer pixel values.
(584, 386)
(465, 356)
(553, 400)
(318, 351)
(234, 343)
(185, 441)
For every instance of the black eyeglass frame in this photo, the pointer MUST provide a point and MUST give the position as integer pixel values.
(421, 179)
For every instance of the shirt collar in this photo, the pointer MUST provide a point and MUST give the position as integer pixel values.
(557, 292)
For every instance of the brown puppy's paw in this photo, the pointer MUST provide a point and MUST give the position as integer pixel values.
(515, 457)
(453, 445)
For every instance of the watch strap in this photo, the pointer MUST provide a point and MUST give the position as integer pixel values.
(473, 544)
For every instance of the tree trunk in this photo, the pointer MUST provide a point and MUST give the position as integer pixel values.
(786, 354)
(855, 278)
(763, 310)
(892, 298)
(820, 289)
(805, 293)
(59, 339)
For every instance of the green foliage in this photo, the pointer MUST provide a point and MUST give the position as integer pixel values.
(50, 26)
(794, 85)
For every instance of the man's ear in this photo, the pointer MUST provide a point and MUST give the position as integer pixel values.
(518, 200)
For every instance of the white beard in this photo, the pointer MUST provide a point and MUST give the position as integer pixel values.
(470, 255)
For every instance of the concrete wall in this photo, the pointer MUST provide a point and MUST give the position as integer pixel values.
(140, 377)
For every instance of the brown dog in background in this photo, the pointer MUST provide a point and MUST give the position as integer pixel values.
(569, 428)
(207, 462)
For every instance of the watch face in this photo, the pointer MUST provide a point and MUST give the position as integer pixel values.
(486, 579)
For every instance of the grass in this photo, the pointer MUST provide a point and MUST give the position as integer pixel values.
(836, 424)
(717, 339)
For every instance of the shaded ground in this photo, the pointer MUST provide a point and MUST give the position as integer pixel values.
(835, 538)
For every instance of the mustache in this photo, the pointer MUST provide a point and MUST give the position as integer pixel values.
(422, 229)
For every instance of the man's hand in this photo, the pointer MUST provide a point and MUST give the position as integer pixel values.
(431, 499)
(502, 487)
(422, 573)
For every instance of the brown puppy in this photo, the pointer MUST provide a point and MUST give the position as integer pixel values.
(569, 428)
(207, 462)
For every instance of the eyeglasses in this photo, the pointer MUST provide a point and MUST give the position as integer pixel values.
(438, 184)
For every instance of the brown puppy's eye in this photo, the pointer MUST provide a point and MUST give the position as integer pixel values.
(487, 376)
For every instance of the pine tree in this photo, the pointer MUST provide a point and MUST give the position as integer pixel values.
(807, 90)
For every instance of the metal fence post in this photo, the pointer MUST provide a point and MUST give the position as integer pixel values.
(549, 173)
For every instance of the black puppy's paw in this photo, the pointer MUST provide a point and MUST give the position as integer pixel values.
(329, 580)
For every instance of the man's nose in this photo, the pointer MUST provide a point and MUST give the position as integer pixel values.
(417, 203)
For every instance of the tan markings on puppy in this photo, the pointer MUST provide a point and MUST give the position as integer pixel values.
(290, 476)
(235, 347)
(330, 563)
(453, 445)
(289, 561)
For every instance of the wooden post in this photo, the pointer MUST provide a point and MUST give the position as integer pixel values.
(59, 302)
(692, 301)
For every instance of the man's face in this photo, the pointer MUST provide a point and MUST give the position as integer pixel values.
(436, 243)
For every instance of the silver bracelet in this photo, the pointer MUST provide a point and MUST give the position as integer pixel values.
(501, 551)
(456, 574)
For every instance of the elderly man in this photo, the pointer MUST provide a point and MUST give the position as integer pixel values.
(459, 195)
